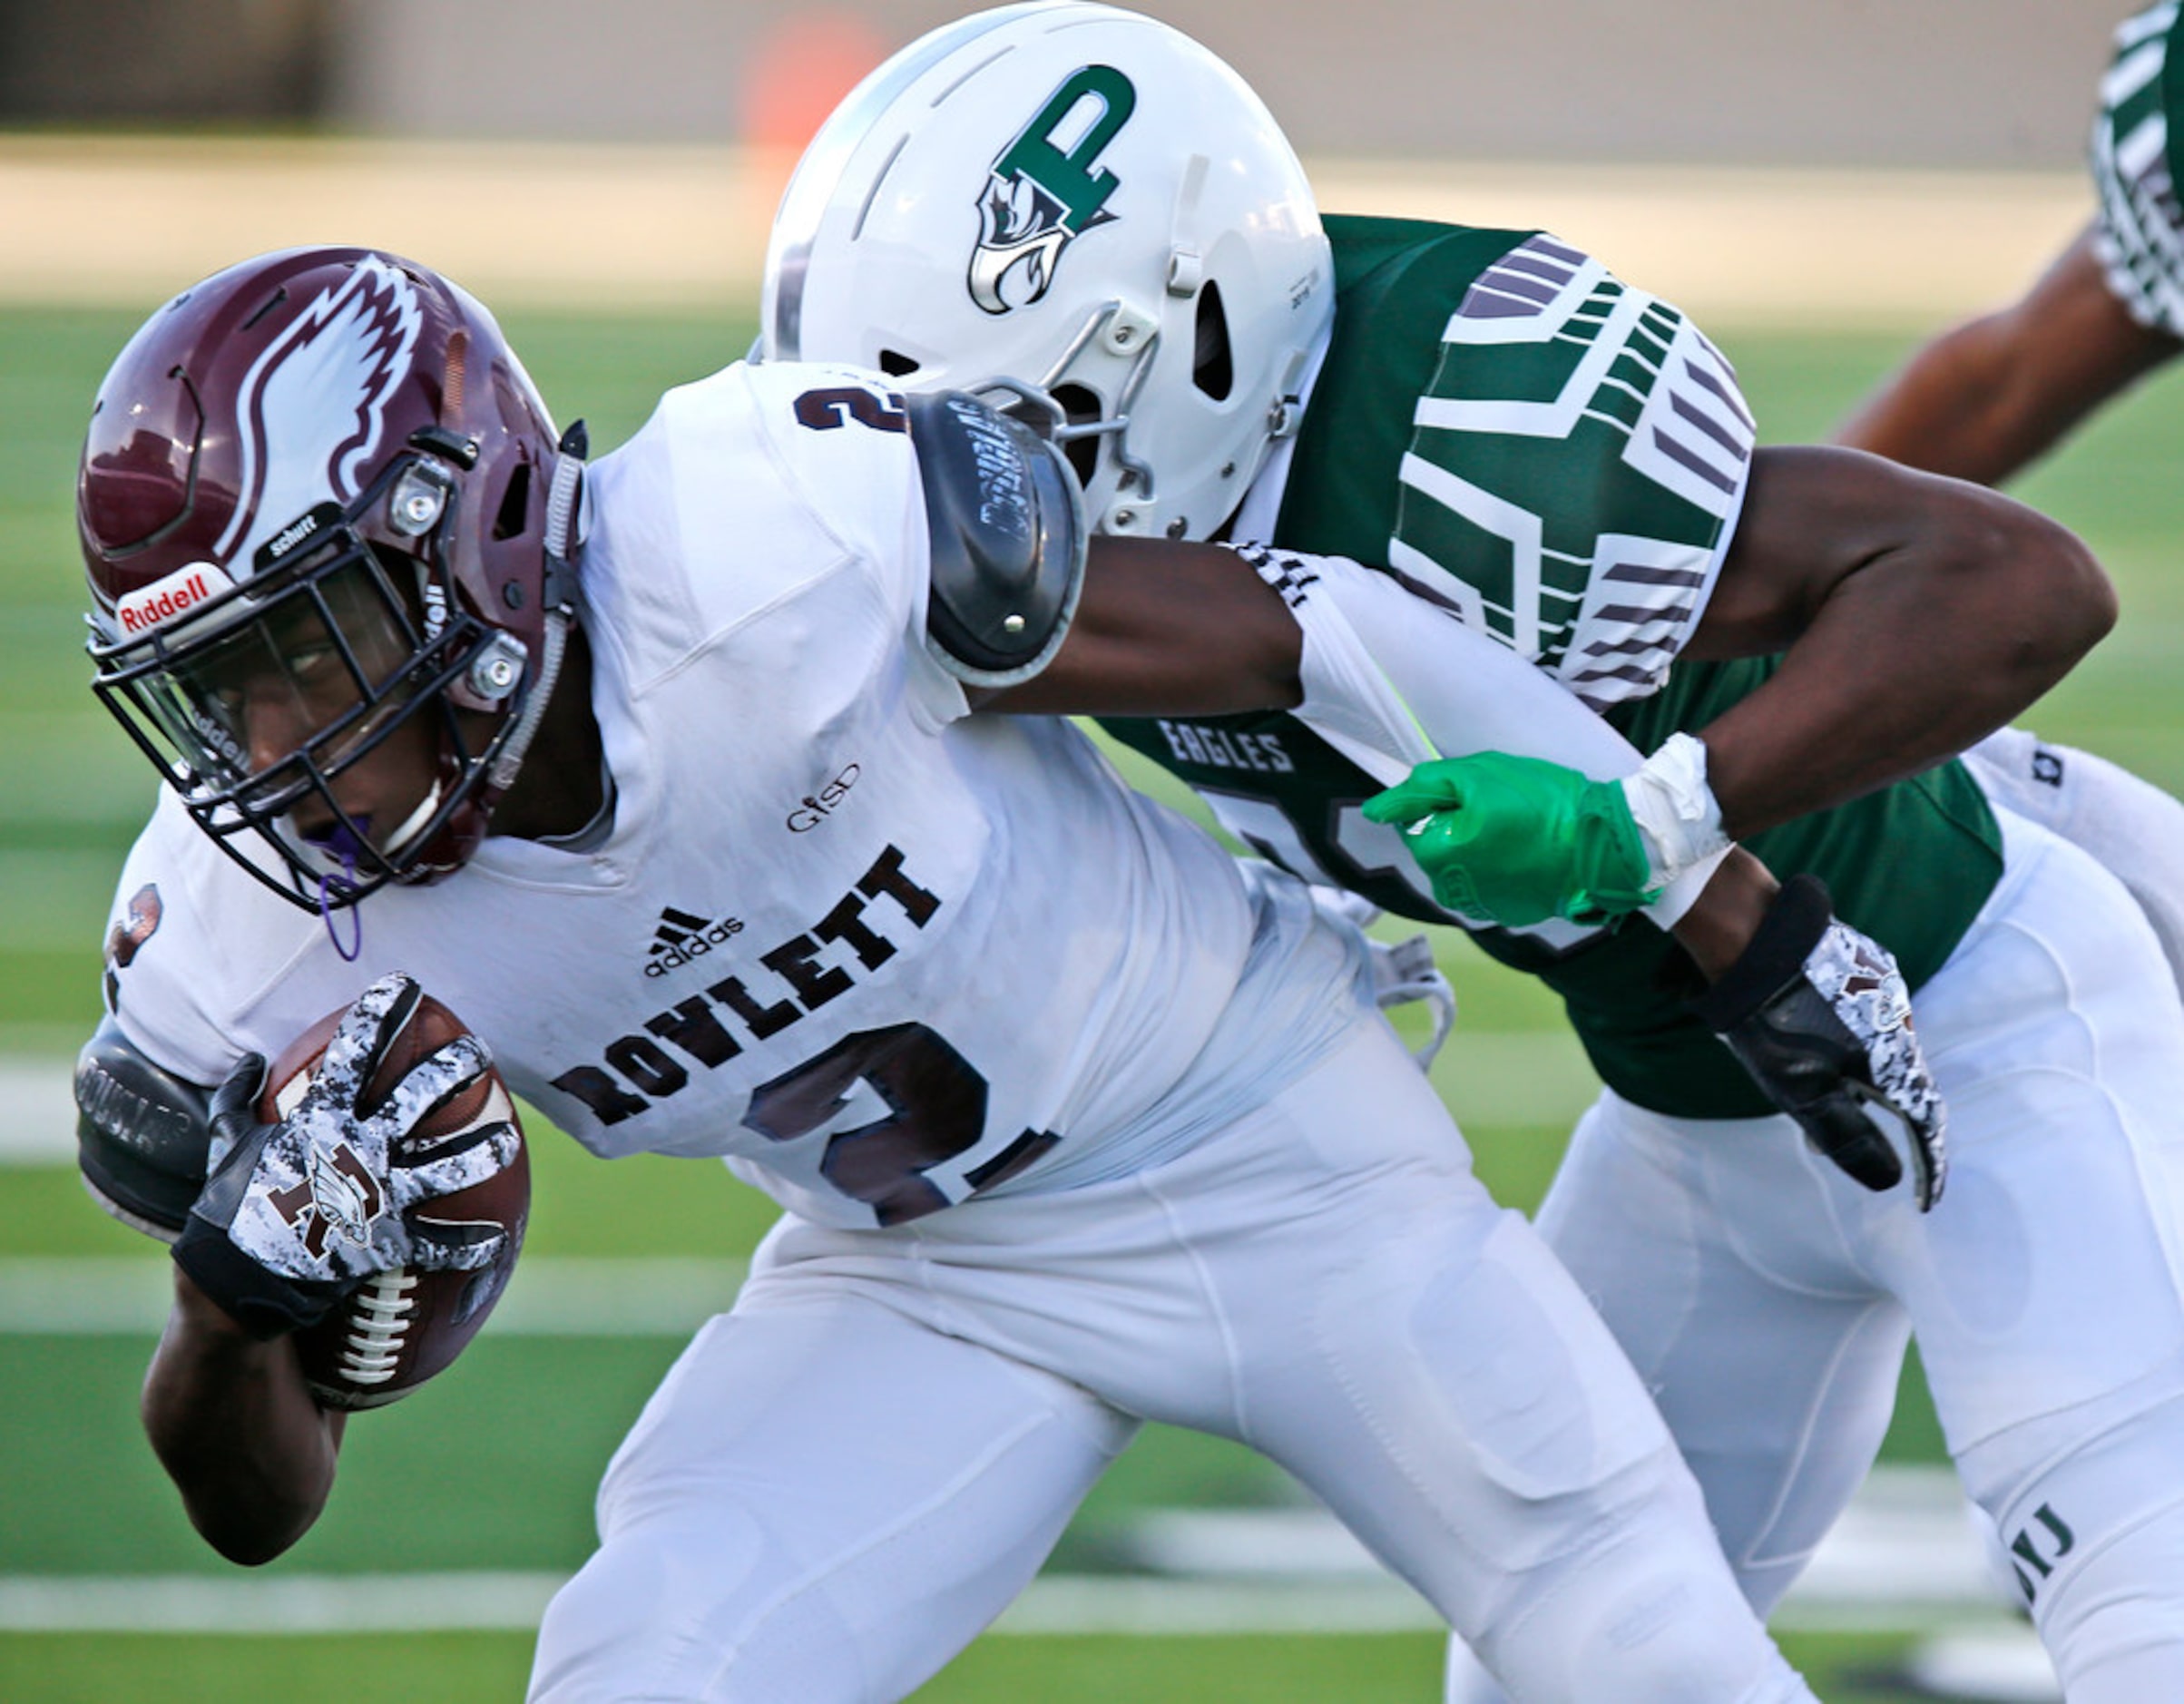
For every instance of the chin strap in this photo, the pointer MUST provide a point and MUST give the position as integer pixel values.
(502, 776)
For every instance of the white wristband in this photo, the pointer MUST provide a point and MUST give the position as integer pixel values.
(1679, 822)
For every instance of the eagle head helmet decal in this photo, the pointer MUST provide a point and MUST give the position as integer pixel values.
(1048, 187)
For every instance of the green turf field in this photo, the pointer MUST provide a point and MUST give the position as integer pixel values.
(493, 1467)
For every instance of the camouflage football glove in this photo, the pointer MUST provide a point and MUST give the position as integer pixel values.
(297, 1214)
(1518, 841)
(1820, 1016)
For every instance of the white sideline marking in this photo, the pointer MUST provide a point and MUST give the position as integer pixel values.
(551, 1297)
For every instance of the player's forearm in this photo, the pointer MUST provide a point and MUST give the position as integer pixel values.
(1718, 928)
(1983, 400)
(236, 1430)
(1961, 407)
(1165, 628)
(1173, 629)
(1947, 630)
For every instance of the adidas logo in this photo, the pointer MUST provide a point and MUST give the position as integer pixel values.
(682, 937)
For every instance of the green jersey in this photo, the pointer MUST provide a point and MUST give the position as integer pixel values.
(2141, 232)
(1559, 458)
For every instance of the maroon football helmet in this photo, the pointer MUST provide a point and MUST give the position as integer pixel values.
(321, 482)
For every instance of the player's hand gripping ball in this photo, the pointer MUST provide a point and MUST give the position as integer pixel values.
(369, 1193)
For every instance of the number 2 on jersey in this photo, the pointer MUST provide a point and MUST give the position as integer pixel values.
(895, 1102)
(837, 405)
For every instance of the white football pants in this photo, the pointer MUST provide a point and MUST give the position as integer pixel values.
(1766, 1298)
(2131, 826)
(845, 1479)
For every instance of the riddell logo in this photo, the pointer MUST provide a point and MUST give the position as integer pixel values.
(163, 599)
(682, 937)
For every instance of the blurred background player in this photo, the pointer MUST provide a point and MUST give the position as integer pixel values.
(1565, 461)
(1987, 398)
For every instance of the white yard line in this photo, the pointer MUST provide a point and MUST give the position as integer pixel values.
(37, 1111)
(1903, 1557)
(1979, 1643)
(1506, 1077)
(549, 1296)
(1905, 1542)
(292, 1603)
(321, 1603)
(2003, 1665)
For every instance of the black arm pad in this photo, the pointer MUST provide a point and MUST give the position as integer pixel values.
(1008, 529)
(142, 1134)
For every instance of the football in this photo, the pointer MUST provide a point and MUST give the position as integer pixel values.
(405, 1326)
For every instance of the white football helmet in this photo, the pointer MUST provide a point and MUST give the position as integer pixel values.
(1078, 212)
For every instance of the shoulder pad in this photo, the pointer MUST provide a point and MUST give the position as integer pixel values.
(1007, 523)
(142, 1134)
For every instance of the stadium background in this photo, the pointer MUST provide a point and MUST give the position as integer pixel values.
(1820, 183)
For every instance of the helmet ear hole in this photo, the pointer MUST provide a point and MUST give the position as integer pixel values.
(1212, 361)
(508, 520)
(896, 363)
(1079, 407)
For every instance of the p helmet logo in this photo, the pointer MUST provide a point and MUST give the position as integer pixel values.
(1043, 192)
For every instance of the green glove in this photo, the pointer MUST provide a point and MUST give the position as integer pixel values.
(1518, 841)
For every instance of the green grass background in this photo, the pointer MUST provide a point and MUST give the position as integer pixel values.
(493, 1466)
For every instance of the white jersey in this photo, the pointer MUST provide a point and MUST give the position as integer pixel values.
(879, 955)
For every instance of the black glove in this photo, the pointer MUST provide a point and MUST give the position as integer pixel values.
(1820, 1016)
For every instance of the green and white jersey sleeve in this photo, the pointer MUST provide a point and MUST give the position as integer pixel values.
(1562, 460)
(2141, 232)
(1547, 363)
(1572, 467)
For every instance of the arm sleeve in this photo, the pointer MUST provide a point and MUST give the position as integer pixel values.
(1573, 469)
(1392, 681)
